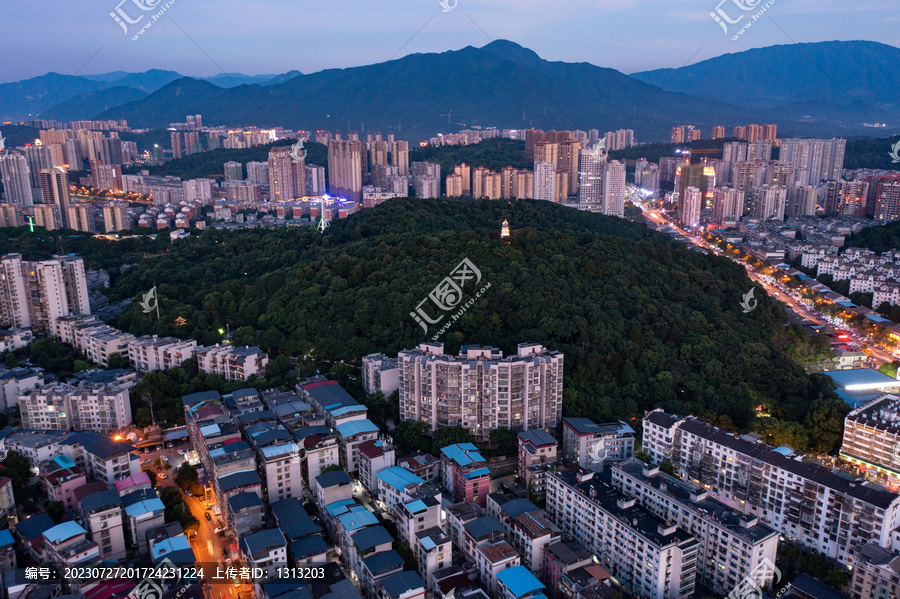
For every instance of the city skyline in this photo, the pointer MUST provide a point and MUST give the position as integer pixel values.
(187, 38)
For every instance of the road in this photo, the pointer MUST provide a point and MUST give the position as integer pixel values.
(207, 545)
(877, 355)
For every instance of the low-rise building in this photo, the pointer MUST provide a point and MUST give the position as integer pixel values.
(102, 513)
(465, 473)
(159, 353)
(232, 363)
(519, 583)
(266, 549)
(67, 544)
(380, 374)
(537, 451)
(872, 436)
(560, 559)
(527, 528)
(144, 511)
(492, 558)
(434, 551)
(375, 456)
(349, 436)
(876, 573)
(60, 482)
(246, 514)
(101, 408)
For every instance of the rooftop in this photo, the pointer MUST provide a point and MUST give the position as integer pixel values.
(63, 532)
(399, 478)
(520, 581)
(397, 584)
(356, 427)
(264, 540)
(537, 437)
(464, 454)
(243, 501)
(861, 379)
(332, 478)
(586, 426)
(293, 519)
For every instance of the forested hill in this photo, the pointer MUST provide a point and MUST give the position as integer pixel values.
(878, 238)
(643, 322)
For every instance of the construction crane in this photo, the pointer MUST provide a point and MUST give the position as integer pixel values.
(448, 115)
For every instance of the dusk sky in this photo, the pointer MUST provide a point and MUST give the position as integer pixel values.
(275, 36)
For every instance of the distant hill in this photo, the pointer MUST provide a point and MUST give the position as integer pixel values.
(797, 80)
(405, 96)
(75, 108)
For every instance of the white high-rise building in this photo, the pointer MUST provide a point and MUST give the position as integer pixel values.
(258, 172)
(822, 159)
(728, 204)
(55, 189)
(544, 181)
(37, 294)
(16, 179)
(614, 189)
(590, 178)
(691, 206)
(802, 201)
(234, 171)
(481, 390)
(768, 201)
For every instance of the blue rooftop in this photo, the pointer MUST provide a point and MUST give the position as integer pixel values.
(860, 379)
(356, 427)
(463, 454)
(144, 507)
(476, 473)
(399, 478)
(170, 545)
(6, 538)
(520, 581)
(61, 532)
(64, 461)
(358, 517)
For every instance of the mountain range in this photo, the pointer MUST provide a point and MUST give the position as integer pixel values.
(818, 89)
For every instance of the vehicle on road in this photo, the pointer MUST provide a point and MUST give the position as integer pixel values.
(208, 517)
(180, 452)
(224, 553)
(164, 476)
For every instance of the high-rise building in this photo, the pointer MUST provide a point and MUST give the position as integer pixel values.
(454, 185)
(81, 218)
(770, 132)
(590, 178)
(614, 189)
(111, 151)
(11, 215)
(802, 201)
(345, 169)
(16, 179)
(691, 206)
(36, 294)
(378, 153)
(619, 140)
(747, 175)
(258, 172)
(198, 121)
(685, 133)
(39, 158)
(97, 407)
(728, 204)
(176, 144)
(106, 176)
(400, 157)
(768, 201)
(846, 198)
(55, 188)
(759, 150)
(427, 186)
(547, 151)
(718, 132)
(234, 171)
(569, 152)
(544, 181)
(287, 176)
(212, 140)
(315, 180)
(441, 390)
(47, 216)
(192, 143)
(780, 173)
(115, 218)
(823, 159)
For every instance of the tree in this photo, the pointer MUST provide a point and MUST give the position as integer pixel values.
(331, 468)
(10, 360)
(80, 365)
(186, 476)
(116, 360)
(449, 436)
(644, 456)
(411, 436)
(506, 440)
(56, 511)
(668, 468)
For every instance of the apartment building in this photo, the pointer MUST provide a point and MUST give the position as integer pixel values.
(36, 294)
(349, 436)
(266, 549)
(232, 363)
(527, 528)
(380, 374)
(481, 390)
(872, 436)
(84, 407)
(374, 457)
(804, 502)
(104, 516)
(159, 353)
(732, 545)
(591, 445)
(876, 573)
(651, 557)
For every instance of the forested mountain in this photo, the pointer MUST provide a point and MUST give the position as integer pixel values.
(879, 238)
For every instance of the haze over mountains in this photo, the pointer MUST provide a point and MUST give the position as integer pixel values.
(820, 89)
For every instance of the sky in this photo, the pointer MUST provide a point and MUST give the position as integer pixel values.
(204, 38)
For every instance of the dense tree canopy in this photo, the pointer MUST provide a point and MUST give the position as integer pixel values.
(879, 238)
(643, 322)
